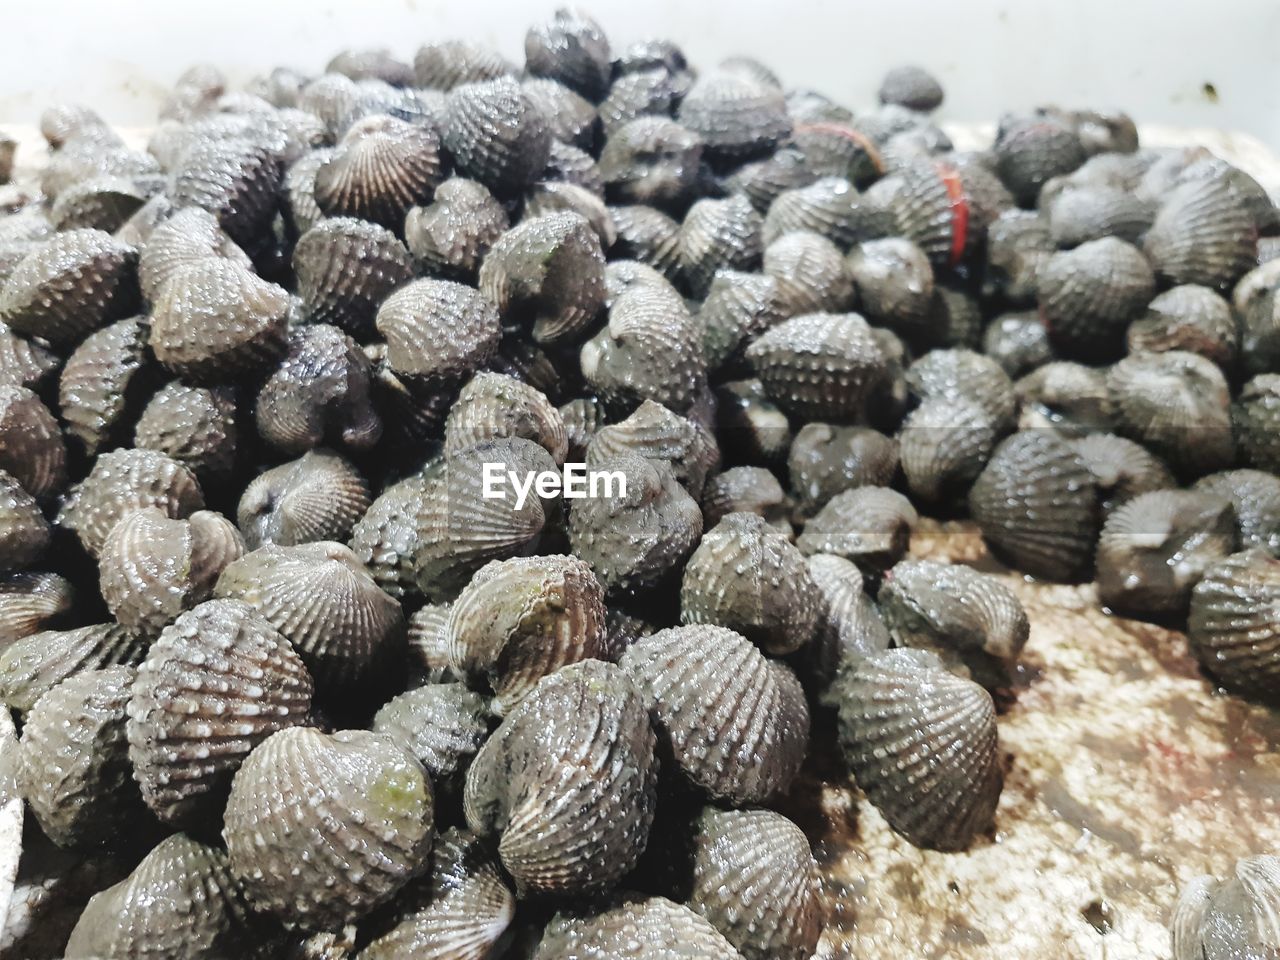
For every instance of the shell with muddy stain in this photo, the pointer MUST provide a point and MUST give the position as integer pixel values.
(1018, 341)
(451, 235)
(567, 784)
(632, 927)
(319, 496)
(1190, 318)
(345, 269)
(1232, 624)
(493, 405)
(442, 725)
(736, 723)
(869, 525)
(34, 665)
(1235, 917)
(365, 833)
(384, 538)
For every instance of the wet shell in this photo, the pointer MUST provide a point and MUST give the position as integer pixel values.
(894, 280)
(24, 532)
(34, 665)
(1036, 504)
(572, 118)
(24, 363)
(1018, 246)
(30, 602)
(1203, 233)
(460, 911)
(812, 272)
(1088, 296)
(655, 433)
(91, 158)
(385, 536)
(1236, 917)
(319, 392)
(345, 269)
(365, 832)
(568, 164)
(216, 683)
(372, 64)
(100, 382)
(63, 123)
(31, 446)
(181, 900)
(69, 286)
(298, 204)
(763, 181)
(1070, 398)
(567, 783)
(745, 490)
(319, 496)
(754, 878)
(1031, 150)
(582, 417)
(519, 620)
(749, 426)
(963, 375)
(737, 117)
(653, 161)
(1156, 547)
(648, 236)
(648, 351)
(1176, 405)
(73, 761)
(849, 623)
(438, 332)
(1258, 305)
(1121, 468)
(869, 525)
(738, 308)
(912, 87)
(826, 460)
(639, 93)
(747, 576)
(452, 235)
(185, 238)
(736, 723)
(634, 928)
(380, 168)
(196, 426)
(1255, 416)
(153, 568)
(441, 724)
(100, 203)
(829, 206)
(1255, 498)
(450, 63)
(1080, 214)
(1018, 342)
(943, 208)
(944, 444)
(922, 745)
(215, 321)
(493, 405)
(1232, 624)
(572, 49)
(233, 179)
(496, 134)
(457, 530)
(637, 538)
(1188, 318)
(819, 365)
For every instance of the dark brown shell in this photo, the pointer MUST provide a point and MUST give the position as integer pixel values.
(1088, 296)
(572, 49)
(451, 236)
(100, 203)
(31, 446)
(380, 168)
(922, 744)
(1121, 468)
(1018, 342)
(944, 444)
(811, 271)
(1255, 416)
(1255, 498)
(830, 206)
(655, 433)
(217, 682)
(493, 405)
(100, 382)
(1031, 150)
(34, 665)
(826, 460)
(437, 331)
(568, 164)
(567, 783)
(745, 490)
(1069, 398)
(319, 496)
(69, 286)
(31, 602)
(651, 160)
(1037, 506)
(299, 205)
(1083, 213)
(749, 426)
(345, 269)
(571, 116)
(912, 87)
(496, 134)
(1203, 233)
(23, 362)
(763, 181)
(634, 928)
(366, 832)
(1188, 318)
(654, 91)
(737, 117)
(450, 63)
(441, 724)
(385, 536)
(738, 308)
(1018, 246)
(869, 525)
(894, 280)
(736, 723)
(24, 532)
(196, 426)
(648, 236)
(185, 238)
(1232, 626)
(963, 375)
(233, 179)
(849, 623)
(942, 207)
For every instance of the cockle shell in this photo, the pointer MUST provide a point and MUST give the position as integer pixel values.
(1255, 500)
(737, 117)
(69, 286)
(738, 308)
(364, 832)
(449, 63)
(763, 181)
(320, 391)
(153, 567)
(568, 164)
(869, 525)
(572, 49)
(62, 123)
(1080, 214)
(441, 724)
(745, 490)
(1232, 627)
(384, 538)
(820, 365)
(749, 426)
(1203, 233)
(631, 927)
(554, 196)
(654, 91)
(31, 446)
(96, 156)
(437, 331)
(571, 116)
(1018, 341)
(1176, 404)
(922, 745)
(944, 444)
(1257, 302)
(1255, 415)
(459, 911)
(345, 269)
(372, 64)
(73, 760)
(894, 280)
(452, 235)
(181, 900)
(30, 602)
(187, 237)
(1088, 296)
(23, 362)
(34, 665)
(319, 496)
(1236, 917)
(1121, 468)
(567, 783)
(196, 426)
(494, 405)
(753, 877)
(215, 321)
(100, 383)
(826, 460)
(1018, 246)
(521, 619)
(548, 274)
(299, 207)
(942, 207)
(849, 623)
(747, 576)
(1070, 398)
(812, 272)
(24, 532)
(648, 236)
(635, 539)
(1037, 506)
(829, 206)
(651, 160)
(380, 168)
(657, 434)
(217, 682)
(99, 203)
(496, 134)
(125, 480)
(1031, 150)
(912, 87)
(735, 724)
(233, 179)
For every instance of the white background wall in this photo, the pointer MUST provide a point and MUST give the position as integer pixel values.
(1150, 57)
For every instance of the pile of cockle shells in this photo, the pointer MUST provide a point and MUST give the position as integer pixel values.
(267, 640)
